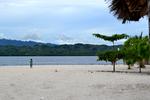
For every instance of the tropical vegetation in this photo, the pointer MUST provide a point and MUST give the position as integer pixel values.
(112, 38)
(136, 50)
(110, 56)
(113, 55)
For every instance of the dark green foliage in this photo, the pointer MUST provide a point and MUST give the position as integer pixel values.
(112, 38)
(136, 49)
(57, 50)
(111, 56)
(114, 55)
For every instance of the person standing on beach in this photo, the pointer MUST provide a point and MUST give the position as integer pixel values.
(31, 63)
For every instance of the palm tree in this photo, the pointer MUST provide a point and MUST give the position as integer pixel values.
(130, 10)
(129, 56)
(136, 49)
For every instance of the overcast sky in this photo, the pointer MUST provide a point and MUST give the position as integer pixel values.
(62, 21)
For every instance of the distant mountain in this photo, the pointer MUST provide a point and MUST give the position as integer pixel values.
(4, 42)
(31, 48)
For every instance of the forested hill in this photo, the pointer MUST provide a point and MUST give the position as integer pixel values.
(4, 42)
(41, 49)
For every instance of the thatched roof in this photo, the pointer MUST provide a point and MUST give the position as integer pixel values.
(129, 10)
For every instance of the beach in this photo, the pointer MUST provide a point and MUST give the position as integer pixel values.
(74, 82)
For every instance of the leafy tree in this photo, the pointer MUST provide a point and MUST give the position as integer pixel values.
(114, 55)
(112, 38)
(111, 56)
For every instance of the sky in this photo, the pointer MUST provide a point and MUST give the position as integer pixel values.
(63, 21)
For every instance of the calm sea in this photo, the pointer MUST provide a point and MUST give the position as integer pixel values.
(52, 60)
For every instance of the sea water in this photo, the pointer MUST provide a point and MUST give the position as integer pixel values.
(52, 60)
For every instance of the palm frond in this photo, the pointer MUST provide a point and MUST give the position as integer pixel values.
(128, 10)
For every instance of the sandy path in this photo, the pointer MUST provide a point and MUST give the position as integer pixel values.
(71, 83)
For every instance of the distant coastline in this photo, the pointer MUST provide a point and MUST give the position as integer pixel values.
(31, 48)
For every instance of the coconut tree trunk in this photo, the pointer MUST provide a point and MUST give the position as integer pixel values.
(114, 69)
(140, 69)
(149, 18)
(129, 66)
(140, 66)
(148, 1)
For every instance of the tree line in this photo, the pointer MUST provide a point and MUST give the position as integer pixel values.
(56, 50)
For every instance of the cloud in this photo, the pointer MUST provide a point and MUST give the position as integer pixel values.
(61, 21)
(65, 39)
(2, 36)
(32, 36)
(51, 3)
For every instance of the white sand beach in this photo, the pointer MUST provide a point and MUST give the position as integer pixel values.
(74, 82)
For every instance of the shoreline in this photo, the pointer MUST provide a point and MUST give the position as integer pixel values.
(91, 68)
